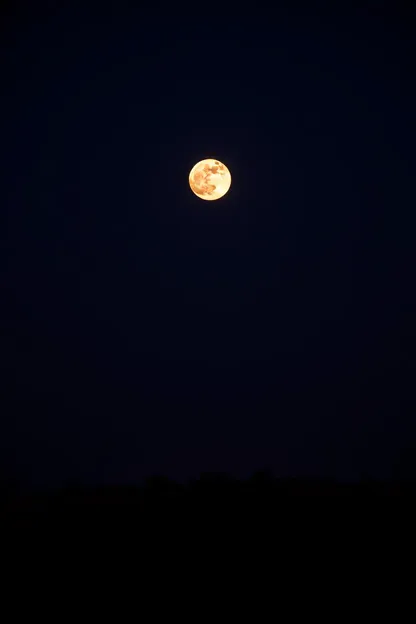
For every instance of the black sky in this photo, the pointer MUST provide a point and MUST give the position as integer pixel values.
(145, 330)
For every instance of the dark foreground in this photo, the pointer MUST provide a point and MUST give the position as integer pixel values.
(210, 492)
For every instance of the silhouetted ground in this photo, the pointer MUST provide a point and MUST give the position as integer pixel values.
(163, 527)
(211, 492)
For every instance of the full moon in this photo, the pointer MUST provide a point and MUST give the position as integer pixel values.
(209, 179)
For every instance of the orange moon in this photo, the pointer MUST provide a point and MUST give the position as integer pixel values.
(209, 179)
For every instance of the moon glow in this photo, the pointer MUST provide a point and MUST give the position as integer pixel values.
(209, 179)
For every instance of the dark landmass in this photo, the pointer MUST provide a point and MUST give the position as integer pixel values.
(211, 491)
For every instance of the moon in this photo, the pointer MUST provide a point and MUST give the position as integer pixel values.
(209, 179)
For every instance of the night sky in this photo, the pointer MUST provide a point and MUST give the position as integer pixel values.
(147, 331)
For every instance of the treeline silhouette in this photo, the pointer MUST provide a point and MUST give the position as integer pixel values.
(211, 490)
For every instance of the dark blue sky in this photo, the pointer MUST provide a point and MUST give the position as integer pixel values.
(145, 330)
